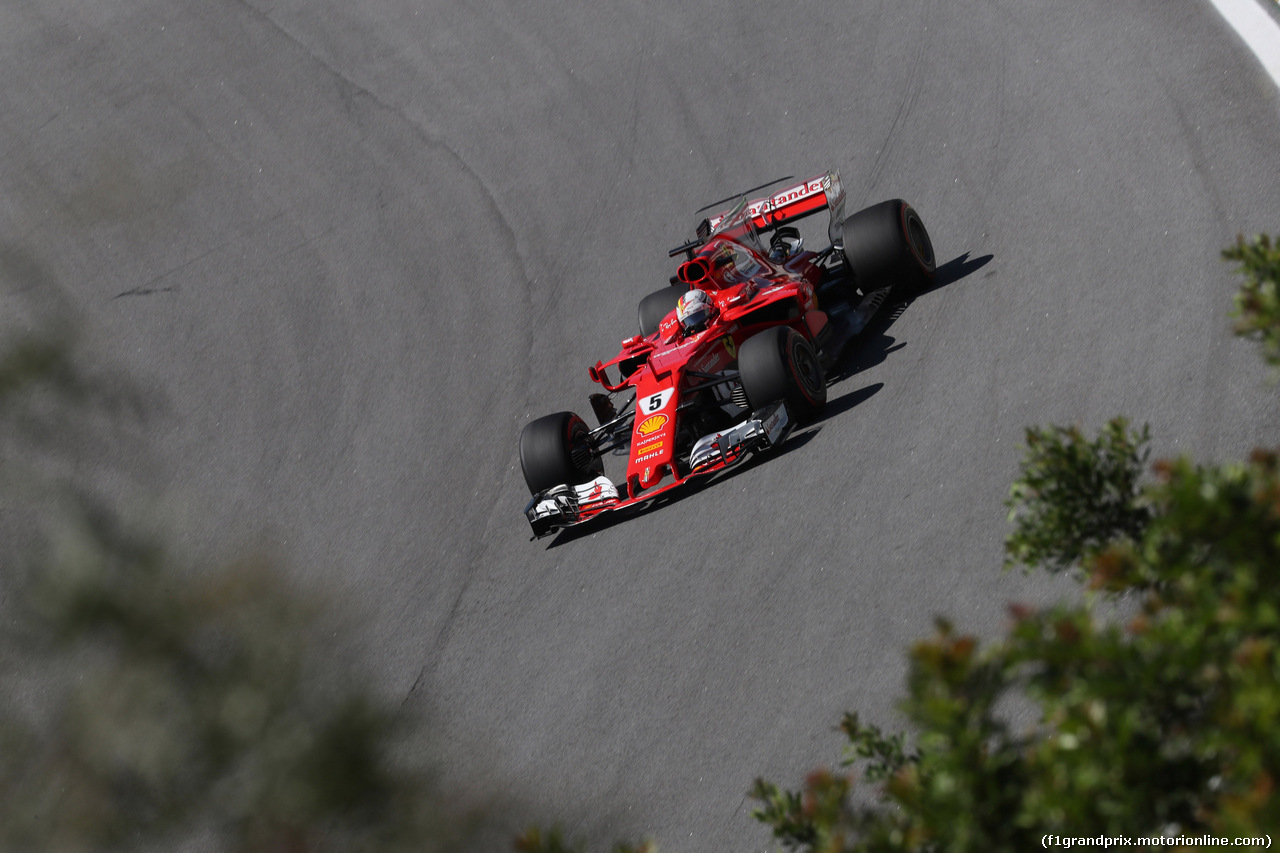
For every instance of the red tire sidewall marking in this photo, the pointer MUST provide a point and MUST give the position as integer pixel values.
(792, 341)
(906, 235)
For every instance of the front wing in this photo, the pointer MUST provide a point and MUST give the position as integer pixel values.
(567, 505)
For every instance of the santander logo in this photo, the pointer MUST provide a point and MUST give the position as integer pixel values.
(782, 199)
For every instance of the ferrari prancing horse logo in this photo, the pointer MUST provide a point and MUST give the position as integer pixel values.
(730, 347)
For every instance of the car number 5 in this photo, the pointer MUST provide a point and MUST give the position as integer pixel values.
(657, 402)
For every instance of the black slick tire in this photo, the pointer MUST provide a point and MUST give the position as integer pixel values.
(658, 305)
(887, 245)
(780, 364)
(554, 451)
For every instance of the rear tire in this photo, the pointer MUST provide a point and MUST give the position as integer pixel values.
(887, 245)
(780, 364)
(554, 451)
(657, 305)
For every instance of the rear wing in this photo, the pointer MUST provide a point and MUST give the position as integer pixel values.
(793, 202)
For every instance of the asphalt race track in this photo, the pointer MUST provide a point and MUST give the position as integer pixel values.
(352, 247)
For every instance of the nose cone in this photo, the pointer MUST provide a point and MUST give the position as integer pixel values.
(652, 475)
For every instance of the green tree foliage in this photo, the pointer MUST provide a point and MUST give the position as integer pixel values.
(148, 704)
(1257, 303)
(190, 701)
(1162, 720)
(1075, 496)
(539, 840)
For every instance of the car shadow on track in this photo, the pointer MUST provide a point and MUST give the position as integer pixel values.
(840, 405)
(954, 270)
(873, 346)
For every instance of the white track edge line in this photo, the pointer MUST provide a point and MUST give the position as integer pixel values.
(1259, 31)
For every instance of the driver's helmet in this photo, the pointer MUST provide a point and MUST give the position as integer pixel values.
(694, 310)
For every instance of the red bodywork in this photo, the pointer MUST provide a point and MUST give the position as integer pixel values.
(750, 293)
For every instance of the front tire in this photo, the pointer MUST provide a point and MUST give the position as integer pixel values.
(555, 451)
(887, 245)
(781, 364)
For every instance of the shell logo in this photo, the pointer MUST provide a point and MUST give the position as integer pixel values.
(651, 425)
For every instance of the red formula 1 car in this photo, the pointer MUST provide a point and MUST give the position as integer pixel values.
(732, 355)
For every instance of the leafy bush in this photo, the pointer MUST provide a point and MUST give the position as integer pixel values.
(1257, 302)
(1076, 496)
(148, 703)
